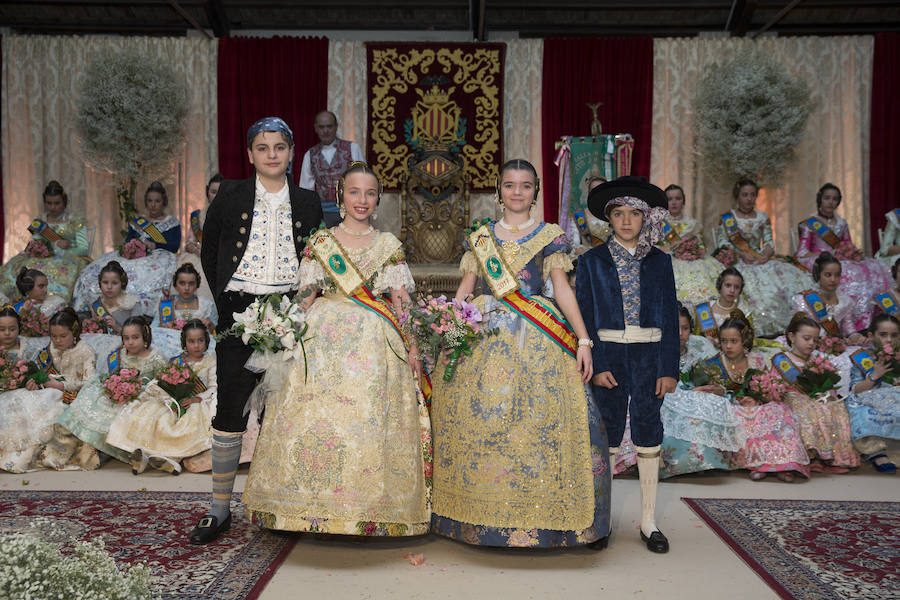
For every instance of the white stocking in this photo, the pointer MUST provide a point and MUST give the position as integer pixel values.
(648, 471)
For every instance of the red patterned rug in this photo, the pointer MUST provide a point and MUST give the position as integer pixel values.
(152, 528)
(807, 549)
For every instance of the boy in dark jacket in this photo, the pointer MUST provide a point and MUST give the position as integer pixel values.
(626, 292)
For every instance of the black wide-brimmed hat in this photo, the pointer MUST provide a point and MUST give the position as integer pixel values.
(636, 187)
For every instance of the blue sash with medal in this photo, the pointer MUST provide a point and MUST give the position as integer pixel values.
(863, 360)
(98, 309)
(41, 228)
(581, 224)
(823, 231)
(886, 302)
(705, 318)
(150, 229)
(817, 308)
(112, 361)
(669, 233)
(18, 306)
(166, 312)
(716, 361)
(195, 226)
(44, 360)
(785, 367)
(897, 213)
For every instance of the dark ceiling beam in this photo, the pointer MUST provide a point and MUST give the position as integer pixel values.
(106, 4)
(740, 17)
(187, 17)
(218, 18)
(33, 27)
(476, 19)
(778, 17)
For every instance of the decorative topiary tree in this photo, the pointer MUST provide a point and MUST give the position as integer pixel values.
(131, 113)
(750, 114)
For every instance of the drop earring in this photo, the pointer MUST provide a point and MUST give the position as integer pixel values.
(341, 210)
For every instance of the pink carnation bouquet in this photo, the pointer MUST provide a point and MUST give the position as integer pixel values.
(181, 383)
(94, 325)
(847, 251)
(689, 249)
(133, 249)
(441, 325)
(891, 356)
(765, 387)
(34, 322)
(726, 256)
(13, 372)
(818, 377)
(831, 345)
(123, 386)
(38, 249)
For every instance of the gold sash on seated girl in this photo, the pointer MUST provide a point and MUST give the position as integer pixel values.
(512, 424)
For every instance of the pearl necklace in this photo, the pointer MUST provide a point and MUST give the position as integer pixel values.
(725, 308)
(349, 231)
(516, 228)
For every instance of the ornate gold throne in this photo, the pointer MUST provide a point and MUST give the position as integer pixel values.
(434, 212)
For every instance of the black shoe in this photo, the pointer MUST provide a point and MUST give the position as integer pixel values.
(657, 542)
(600, 544)
(209, 529)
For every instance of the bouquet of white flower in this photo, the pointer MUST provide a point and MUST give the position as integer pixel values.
(273, 326)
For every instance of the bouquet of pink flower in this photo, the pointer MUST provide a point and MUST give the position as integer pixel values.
(847, 251)
(34, 322)
(13, 372)
(818, 377)
(181, 383)
(890, 355)
(726, 256)
(765, 387)
(178, 324)
(831, 345)
(123, 386)
(440, 325)
(94, 325)
(689, 249)
(38, 249)
(133, 249)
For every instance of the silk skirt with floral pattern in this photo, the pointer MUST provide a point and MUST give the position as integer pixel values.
(521, 455)
(345, 447)
(773, 441)
(824, 429)
(874, 418)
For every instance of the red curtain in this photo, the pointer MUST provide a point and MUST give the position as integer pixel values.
(615, 71)
(283, 77)
(884, 156)
(2, 225)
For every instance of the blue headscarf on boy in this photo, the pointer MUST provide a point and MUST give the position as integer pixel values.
(276, 124)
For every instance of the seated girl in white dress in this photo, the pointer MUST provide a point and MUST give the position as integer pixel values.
(186, 304)
(33, 287)
(114, 306)
(27, 414)
(151, 428)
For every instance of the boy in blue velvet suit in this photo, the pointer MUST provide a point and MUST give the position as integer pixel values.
(626, 292)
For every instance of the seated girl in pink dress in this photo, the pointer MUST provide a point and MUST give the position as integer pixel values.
(825, 231)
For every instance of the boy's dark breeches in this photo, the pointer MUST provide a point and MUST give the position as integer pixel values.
(635, 367)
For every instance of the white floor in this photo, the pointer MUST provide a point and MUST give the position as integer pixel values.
(700, 566)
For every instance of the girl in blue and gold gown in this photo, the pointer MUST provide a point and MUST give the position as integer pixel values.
(520, 455)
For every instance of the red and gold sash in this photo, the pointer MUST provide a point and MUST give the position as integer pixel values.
(499, 277)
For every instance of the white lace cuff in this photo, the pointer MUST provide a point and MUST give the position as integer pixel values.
(393, 277)
(311, 272)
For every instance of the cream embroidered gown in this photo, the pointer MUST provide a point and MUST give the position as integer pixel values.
(346, 447)
(27, 417)
(151, 425)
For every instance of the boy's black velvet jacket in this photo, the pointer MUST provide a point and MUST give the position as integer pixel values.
(227, 227)
(600, 300)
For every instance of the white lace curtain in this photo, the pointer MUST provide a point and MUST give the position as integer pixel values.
(348, 98)
(835, 147)
(39, 92)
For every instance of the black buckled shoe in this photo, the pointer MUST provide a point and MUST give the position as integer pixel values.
(209, 528)
(657, 542)
(600, 544)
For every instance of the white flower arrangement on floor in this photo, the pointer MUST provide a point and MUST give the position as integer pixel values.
(33, 568)
(749, 115)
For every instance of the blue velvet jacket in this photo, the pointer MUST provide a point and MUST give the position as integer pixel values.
(600, 300)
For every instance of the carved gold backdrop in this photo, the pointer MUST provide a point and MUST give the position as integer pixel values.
(835, 147)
